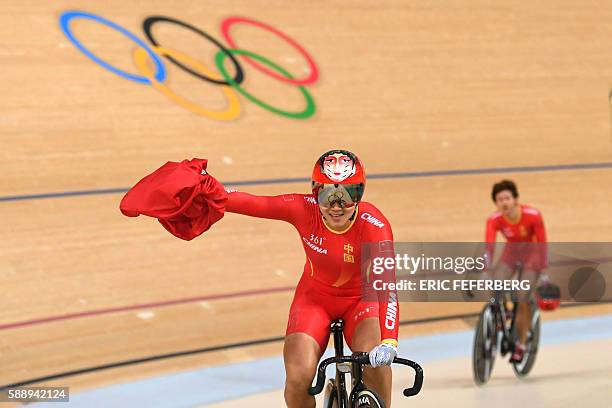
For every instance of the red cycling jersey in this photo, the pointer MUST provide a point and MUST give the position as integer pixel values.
(528, 229)
(331, 284)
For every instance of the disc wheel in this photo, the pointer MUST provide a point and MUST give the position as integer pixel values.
(485, 346)
(367, 399)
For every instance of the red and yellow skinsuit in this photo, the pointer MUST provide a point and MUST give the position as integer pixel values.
(331, 284)
(528, 229)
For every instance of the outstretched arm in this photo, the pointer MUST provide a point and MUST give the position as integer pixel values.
(285, 207)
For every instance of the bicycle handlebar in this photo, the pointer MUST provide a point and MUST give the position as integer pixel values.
(363, 359)
(418, 376)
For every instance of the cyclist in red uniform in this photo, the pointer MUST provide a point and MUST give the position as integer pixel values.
(518, 224)
(332, 223)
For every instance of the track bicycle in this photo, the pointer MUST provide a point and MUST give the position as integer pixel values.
(360, 396)
(496, 330)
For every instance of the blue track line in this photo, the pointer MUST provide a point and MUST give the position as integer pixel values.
(418, 174)
(197, 387)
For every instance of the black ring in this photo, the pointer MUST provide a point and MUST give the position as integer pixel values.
(147, 24)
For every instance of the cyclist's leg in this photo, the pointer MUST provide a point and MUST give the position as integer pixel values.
(523, 314)
(362, 332)
(503, 270)
(306, 337)
(301, 354)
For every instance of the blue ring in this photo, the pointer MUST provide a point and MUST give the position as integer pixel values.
(160, 74)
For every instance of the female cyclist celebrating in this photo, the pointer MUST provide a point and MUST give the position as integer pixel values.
(333, 223)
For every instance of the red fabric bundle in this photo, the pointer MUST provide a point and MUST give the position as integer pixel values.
(183, 197)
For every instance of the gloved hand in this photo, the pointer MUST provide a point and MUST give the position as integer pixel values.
(384, 353)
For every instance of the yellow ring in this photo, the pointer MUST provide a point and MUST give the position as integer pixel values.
(233, 109)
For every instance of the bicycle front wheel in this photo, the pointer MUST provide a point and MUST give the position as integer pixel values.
(367, 399)
(485, 339)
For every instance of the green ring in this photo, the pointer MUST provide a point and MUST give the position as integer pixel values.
(310, 105)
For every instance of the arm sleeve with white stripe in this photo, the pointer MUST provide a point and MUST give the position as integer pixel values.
(382, 246)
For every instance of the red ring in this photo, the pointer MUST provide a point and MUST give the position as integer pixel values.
(314, 71)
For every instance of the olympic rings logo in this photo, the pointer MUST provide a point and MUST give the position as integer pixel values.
(229, 85)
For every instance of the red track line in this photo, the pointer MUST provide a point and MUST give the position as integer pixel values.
(256, 292)
(50, 319)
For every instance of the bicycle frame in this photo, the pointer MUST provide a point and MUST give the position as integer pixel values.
(496, 330)
(340, 380)
(343, 368)
(354, 364)
(501, 313)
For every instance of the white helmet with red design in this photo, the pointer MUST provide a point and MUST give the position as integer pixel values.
(338, 177)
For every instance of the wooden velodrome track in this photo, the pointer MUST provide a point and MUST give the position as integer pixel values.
(412, 87)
